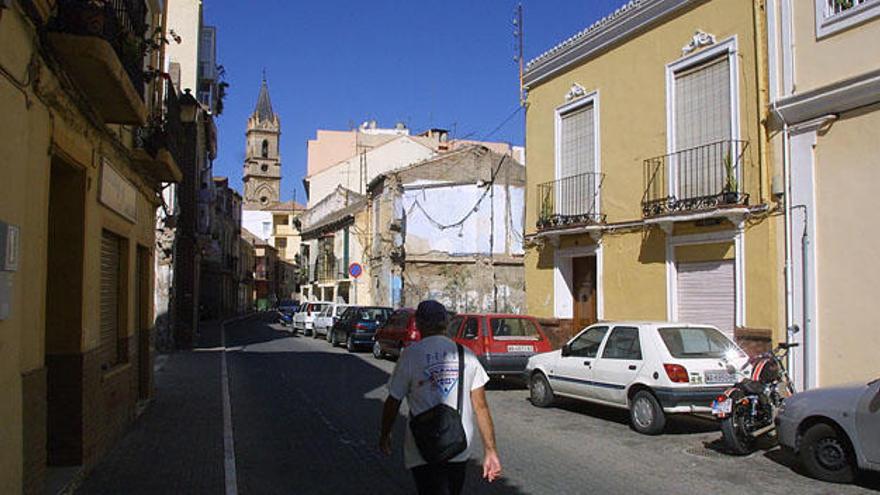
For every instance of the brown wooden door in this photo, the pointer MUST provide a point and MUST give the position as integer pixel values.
(584, 292)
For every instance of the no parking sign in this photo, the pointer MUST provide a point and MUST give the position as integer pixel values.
(355, 270)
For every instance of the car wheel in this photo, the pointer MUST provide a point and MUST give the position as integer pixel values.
(540, 392)
(377, 351)
(333, 340)
(645, 414)
(327, 335)
(349, 344)
(825, 454)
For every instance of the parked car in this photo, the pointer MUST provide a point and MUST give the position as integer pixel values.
(304, 320)
(327, 318)
(358, 325)
(502, 342)
(399, 332)
(650, 368)
(833, 431)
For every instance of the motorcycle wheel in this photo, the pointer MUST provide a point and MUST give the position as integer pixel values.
(734, 431)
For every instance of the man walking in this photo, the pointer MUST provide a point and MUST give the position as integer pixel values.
(427, 375)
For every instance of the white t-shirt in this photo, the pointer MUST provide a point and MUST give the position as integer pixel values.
(427, 375)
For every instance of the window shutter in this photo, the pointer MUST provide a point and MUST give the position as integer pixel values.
(576, 157)
(702, 104)
(577, 152)
(110, 266)
(707, 294)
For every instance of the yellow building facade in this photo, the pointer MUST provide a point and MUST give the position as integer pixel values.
(649, 187)
(77, 206)
(824, 83)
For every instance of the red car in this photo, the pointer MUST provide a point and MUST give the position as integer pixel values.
(398, 332)
(502, 342)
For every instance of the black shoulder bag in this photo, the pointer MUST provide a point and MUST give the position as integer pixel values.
(438, 432)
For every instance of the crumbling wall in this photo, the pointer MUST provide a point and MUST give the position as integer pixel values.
(467, 287)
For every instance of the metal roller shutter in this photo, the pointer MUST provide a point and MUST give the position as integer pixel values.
(110, 265)
(707, 294)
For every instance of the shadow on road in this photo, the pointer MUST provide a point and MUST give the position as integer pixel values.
(785, 458)
(676, 424)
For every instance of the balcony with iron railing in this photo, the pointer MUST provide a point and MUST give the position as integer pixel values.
(160, 142)
(331, 269)
(569, 202)
(695, 179)
(102, 45)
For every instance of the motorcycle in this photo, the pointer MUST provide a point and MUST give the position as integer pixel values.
(285, 318)
(748, 409)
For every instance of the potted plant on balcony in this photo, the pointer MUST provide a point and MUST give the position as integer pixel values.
(730, 191)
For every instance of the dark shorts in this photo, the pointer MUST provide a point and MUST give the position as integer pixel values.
(440, 479)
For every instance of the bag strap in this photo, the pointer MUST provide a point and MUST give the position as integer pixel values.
(460, 376)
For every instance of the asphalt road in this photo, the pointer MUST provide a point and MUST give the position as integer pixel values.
(306, 415)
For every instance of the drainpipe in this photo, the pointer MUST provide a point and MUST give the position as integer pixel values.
(789, 282)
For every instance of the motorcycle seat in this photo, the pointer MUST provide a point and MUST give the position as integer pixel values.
(752, 387)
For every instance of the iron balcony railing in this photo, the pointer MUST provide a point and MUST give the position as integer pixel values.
(570, 201)
(697, 178)
(122, 23)
(165, 130)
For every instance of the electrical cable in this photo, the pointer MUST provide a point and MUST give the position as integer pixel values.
(474, 209)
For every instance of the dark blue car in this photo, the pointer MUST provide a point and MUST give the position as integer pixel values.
(357, 326)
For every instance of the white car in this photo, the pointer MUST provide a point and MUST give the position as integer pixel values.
(304, 320)
(650, 368)
(326, 318)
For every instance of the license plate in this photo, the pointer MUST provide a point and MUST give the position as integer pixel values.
(520, 348)
(719, 376)
(722, 407)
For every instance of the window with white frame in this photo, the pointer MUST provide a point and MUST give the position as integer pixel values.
(836, 15)
(702, 126)
(702, 104)
(575, 191)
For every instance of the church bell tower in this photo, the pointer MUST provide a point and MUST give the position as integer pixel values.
(262, 163)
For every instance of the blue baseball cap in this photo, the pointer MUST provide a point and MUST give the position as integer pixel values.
(431, 311)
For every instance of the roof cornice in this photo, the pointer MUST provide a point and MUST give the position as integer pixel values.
(612, 29)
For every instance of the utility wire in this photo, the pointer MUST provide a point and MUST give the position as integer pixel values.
(474, 209)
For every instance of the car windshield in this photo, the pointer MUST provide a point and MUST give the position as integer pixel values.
(695, 342)
(378, 315)
(514, 328)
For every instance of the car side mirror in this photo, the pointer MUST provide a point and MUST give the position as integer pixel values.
(566, 350)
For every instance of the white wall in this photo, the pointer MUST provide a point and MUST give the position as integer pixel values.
(184, 17)
(448, 205)
(258, 222)
(391, 156)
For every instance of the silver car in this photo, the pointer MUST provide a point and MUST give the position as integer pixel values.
(833, 431)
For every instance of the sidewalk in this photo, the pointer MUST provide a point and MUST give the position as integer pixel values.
(176, 446)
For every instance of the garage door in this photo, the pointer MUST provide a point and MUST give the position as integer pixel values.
(707, 294)
(110, 266)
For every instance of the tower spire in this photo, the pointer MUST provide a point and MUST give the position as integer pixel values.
(263, 110)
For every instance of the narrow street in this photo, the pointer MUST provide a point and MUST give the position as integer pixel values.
(305, 419)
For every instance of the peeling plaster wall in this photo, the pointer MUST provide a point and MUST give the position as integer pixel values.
(466, 287)
(426, 208)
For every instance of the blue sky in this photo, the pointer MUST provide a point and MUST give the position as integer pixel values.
(335, 63)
